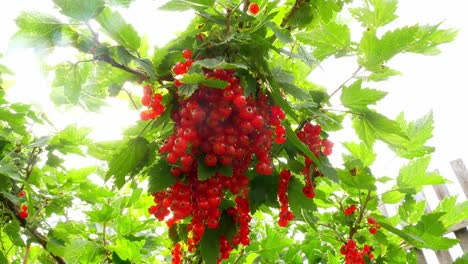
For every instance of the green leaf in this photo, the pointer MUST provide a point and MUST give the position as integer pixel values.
(374, 52)
(160, 176)
(356, 98)
(292, 137)
(429, 231)
(327, 39)
(283, 34)
(127, 159)
(205, 171)
(38, 30)
(70, 140)
(411, 210)
(225, 170)
(199, 78)
(414, 175)
(376, 13)
(361, 152)
(55, 245)
(3, 258)
(82, 10)
(182, 5)
(124, 3)
(462, 260)
(147, 66)
(454, 213)
(214, 64)
(418, 132)
(392, 197)
(297, 200)
(286, 81)
(13, 232)
(327, 168)
(126, 249)
(364, 180)
(371, 126)
(69, 79)
(116, 27)
(209, 246)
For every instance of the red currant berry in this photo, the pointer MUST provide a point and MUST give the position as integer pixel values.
(254, 8)
(23, 214)
(187, 54)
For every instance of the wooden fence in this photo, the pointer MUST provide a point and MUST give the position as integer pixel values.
(459, 230)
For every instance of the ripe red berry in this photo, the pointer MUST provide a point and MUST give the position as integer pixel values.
(239, 101)
(211, 160)
(179, 68)
(371, 221)
(23, 214)
(373, 230)
(254, 8)
(187, 54)
(21, 194)
(24, 207)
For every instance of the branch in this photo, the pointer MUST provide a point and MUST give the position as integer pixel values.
(26, 254)
(131, 99)
(355, 226)
(106, 58)
(297, 5)
(41, 239)
(347, 80)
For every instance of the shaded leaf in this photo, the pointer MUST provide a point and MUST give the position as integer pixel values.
(219, 64)
(13, 232)
(127, 159)
(209, 246)
(160, 176)
(182, 5)
(126, 249)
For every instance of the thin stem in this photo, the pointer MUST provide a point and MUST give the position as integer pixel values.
(38, 237)
(354, 227)
(131, 99)
(346, 81)
(241, 254)
(106, 58)
(26, 254)
(297, 5)
(147, 125)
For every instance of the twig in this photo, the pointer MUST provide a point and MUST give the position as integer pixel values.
(297, 5)
(131, 99)
(41, 239)
(106, 58)
(26, 254)
(147, 125)
(347, 80)
(241, 254)
(355, 225)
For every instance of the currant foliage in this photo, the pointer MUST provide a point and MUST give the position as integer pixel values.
(229, 161)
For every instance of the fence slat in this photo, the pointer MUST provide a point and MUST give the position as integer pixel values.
(462, 174)
(420, 256)
(462, 234)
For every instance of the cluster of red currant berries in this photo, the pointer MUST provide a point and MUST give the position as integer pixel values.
(354, 255)
(374, 226)
(216, 128)
(285, 214)
(153, 102)
(350, 210)
(24, 208)
(310, 136)
(177, 254)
